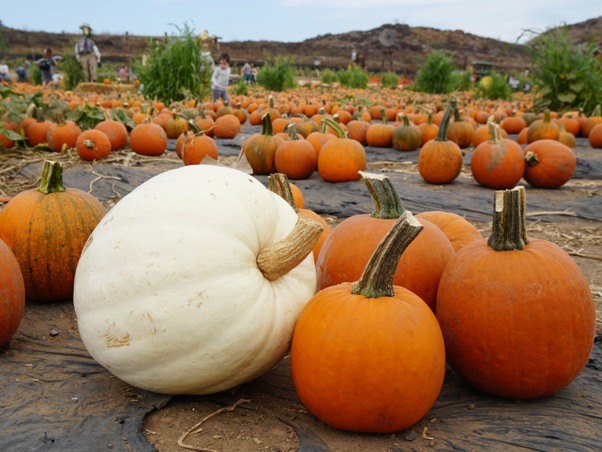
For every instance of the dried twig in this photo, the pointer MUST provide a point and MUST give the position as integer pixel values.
(552, 212)
(195, 428)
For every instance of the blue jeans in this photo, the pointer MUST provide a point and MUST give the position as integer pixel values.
(220, 93)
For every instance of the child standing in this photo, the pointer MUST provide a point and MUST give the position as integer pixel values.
(221, 79)
(46, 64)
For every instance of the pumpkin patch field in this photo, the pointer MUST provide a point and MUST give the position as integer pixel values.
(321, 269)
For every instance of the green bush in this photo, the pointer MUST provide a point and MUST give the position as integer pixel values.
(73, 72)
(389, 80)
(353, 77)
(175, 69)
(328, 76)
(494, 86)
(278, 75)
(435, 74)
(461, 81)
(240, 88)
(565, 76)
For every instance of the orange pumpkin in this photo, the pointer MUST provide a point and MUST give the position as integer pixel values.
(294, 157)
(406, 137)
(341, 159)
(497, 163)
(260, 148)
(62, 134)
(440, 160)
(351, 243)
(93, 144)
(195, 147)
(320, 137)
(46, 229)
(116, 131)
(148, 139)
(595, 136)
(369, 357)
(524, 302)
(550, 164)
(542, 129)
(380, 134)
(12, 295)
(458, 230)
(226, 126)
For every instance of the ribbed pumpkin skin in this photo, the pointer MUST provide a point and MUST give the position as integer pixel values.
(260, 151)
(458, 230)
(93, 144)
(439, 162)
(341, 159)
(350, 244)
(295, 158)
(226, 126)
(517, 324)
(12, 294)
(498, 165)
(47, 234)
(59, 135)
(556, 165)
(541, 129)
(37, 132)
(407, 138)
(116, 131)
(400, 388)
(148, 139)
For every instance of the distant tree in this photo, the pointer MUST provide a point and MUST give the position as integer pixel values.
(435, 74)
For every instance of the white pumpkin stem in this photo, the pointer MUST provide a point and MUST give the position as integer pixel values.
(281, 257)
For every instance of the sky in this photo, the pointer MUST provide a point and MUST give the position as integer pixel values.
(296, 20)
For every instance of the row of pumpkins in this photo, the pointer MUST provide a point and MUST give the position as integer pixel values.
(333, 145)
(201, 278)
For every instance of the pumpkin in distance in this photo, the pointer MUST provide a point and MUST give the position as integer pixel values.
(170, 292)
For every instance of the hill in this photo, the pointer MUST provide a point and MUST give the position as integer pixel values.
(406, 49)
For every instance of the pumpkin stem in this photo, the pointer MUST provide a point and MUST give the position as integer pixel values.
(447, 114)
(495, 136)
(341, 133)
(278, 183)
(52, 178)
(266, 124)
(377, 279)
(292, 132)
(509, 230)
(387, 203)
(531, 158)
(279, 258)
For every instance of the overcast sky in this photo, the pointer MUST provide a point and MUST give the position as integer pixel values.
(296, 20)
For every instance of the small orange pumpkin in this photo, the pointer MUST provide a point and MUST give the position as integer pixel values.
(12, 295)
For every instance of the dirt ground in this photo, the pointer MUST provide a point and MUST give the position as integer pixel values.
(266, 414)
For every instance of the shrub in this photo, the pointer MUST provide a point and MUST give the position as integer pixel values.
(278, 75)
(494, 86)
(353, 77)
(435, 74)
(73, 72)
(389, 80)
(566, 77)
(328, 76)
(461, 81)
(240, 88)
(175, 68)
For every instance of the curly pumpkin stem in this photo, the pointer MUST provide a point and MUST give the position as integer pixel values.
(509, 229)
(278, 183)
(281, 257)
(387, 203)
(377, 279)
(52, 178)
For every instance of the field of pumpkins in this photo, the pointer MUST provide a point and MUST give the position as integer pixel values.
(318, 269)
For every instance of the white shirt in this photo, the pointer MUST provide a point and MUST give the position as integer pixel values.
(220, 77)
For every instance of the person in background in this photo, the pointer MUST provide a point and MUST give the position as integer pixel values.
(87, 53)
(4, 77)
(247, 76)
(221, 78)
(21, 74)
(46, 63)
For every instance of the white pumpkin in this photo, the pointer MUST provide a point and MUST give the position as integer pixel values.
(168, 293)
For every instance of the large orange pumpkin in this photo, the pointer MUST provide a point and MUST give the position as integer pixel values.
(458, 230)
(12, 294)
(351, 243)
(193, 148)
(295, 157)
(46, 229)
(369, 357)
(517, 316)
(116, 131)
(93, 144)
(62, 134)
(226, 126)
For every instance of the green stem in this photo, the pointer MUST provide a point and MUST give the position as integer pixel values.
(341, 133)
(266, 125)
(377, 279)
(52, 178)
(387, 203)
(508, 231)
(292, 132)
(447, 114)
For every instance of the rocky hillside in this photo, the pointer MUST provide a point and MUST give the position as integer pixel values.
(405, 49)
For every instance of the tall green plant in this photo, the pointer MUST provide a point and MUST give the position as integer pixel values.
(73, 72)
(435, 74)
(389, 80)
(278, 75)
(175, 69)
(565, 76)
(494, 86)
